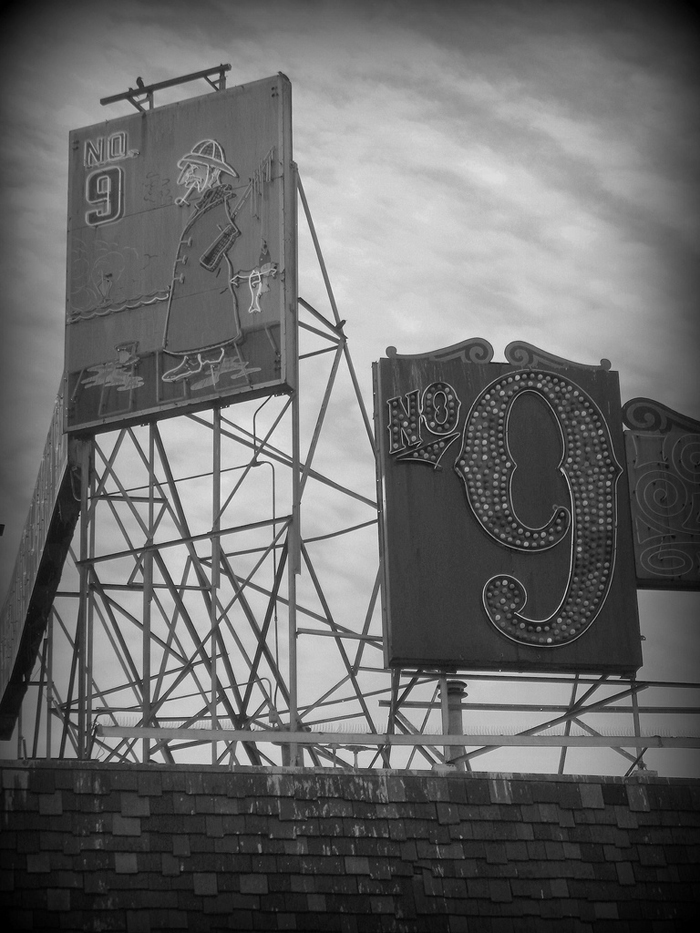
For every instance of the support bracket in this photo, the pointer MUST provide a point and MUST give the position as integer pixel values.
(143, 93)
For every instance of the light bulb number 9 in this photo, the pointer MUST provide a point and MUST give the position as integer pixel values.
(590, 470)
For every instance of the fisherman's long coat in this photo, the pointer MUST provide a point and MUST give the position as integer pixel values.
(202, 307)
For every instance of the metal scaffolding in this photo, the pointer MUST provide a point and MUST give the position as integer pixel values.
(220, 601)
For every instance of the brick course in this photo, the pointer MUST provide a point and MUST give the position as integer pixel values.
(139, 848)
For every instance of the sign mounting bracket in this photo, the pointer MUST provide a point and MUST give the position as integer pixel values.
(143, 94)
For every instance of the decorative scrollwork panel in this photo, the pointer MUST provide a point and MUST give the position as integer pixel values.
(663, 460)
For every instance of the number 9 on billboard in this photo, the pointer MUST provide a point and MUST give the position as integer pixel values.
(104, 190)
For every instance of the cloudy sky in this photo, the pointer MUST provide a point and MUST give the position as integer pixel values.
(511, 170)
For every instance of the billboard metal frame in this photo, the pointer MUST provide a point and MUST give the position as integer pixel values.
(174, 635)
(167, 696)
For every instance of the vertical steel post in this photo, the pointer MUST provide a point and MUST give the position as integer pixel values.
(294, 532)
(293, 569)
(567, 727)
(445, 712)
(215, 567)
(90, 619)
(455, 694)
(81, 640)
(49, 684)
(148, 595)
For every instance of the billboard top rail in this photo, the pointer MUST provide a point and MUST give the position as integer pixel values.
(144, 93)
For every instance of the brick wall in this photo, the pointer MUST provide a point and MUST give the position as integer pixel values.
(85, 846)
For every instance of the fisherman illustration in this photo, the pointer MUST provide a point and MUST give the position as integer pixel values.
(202, 319)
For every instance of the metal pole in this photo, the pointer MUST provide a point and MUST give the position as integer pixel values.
(319, 254)
(82, 622)
(294, 532)
(445, 712)
(49, 685)
(452, 692)
(293, 569)
(637, 724)
(148, 596)
(567, 727)
(90, 619)
(40, 696)
(307, 737)
(215, 566)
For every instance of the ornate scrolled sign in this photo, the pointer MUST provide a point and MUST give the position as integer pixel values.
(663, 458)
(512, 550)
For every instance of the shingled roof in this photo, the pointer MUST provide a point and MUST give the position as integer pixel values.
(86, 846)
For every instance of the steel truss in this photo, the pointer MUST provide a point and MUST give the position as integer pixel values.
(221, 603)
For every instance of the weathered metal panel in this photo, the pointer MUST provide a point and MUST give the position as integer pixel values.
(505, 514)
(663, 461)
(181, 258)
(48, 529)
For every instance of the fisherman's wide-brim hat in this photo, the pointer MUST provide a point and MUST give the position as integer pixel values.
(208, 152)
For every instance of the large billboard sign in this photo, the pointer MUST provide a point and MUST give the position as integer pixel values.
(181, 289)
(505, 513)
